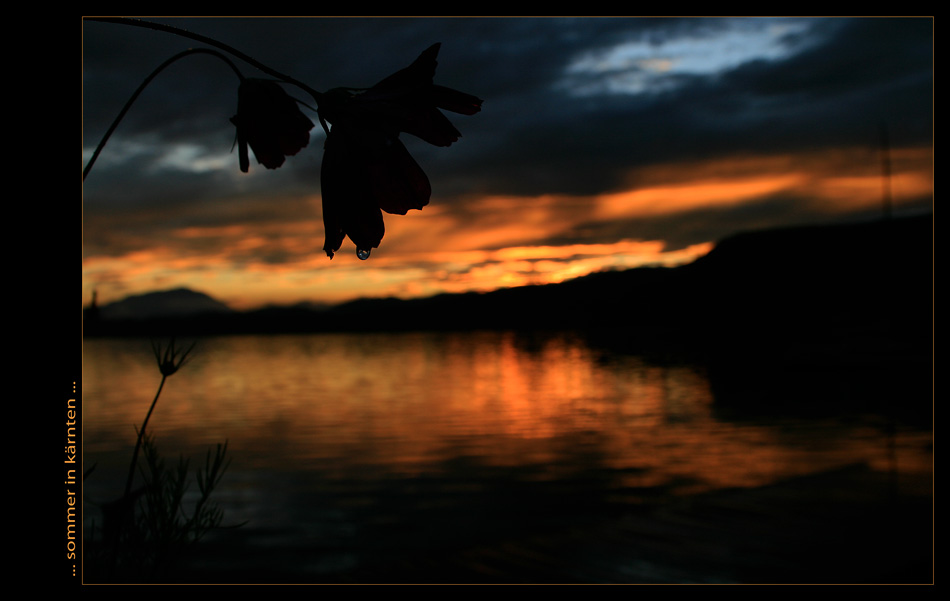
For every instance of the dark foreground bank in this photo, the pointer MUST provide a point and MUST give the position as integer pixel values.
(852, 525)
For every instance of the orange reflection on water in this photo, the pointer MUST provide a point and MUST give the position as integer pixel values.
(420, 403)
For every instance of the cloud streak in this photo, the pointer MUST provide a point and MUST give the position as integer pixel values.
(603, 143)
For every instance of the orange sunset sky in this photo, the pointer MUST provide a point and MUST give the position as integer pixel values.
(613, 144)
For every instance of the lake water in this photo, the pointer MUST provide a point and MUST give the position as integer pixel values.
(351, 450)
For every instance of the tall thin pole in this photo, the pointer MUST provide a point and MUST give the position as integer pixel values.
(886, 171)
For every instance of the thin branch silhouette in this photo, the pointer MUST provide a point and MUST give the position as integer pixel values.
(211, 42)
(141, 88)
(366, 169)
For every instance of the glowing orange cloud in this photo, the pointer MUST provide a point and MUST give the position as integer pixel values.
(841, 179)
(662, 200)
(497, 241)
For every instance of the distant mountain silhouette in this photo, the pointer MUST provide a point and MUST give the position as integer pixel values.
(800, 290)
(801, 320)
(167, 303)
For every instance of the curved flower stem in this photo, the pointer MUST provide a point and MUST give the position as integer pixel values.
(211, 42)
(142, 87)
(125, 501)
(138, 442)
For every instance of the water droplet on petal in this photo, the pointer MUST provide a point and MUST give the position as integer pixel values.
(362, 253)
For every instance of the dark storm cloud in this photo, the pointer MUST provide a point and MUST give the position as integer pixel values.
(862, 72)
(835, 81)
(851, 76)
(513, 63)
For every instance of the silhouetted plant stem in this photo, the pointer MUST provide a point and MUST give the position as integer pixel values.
(141, 87)
(886, 171)
(169, 361)
(147, 539)
(212, 42)
(126, 501)
(138, 442)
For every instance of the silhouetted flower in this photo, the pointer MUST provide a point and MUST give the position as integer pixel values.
(168, 361)
(366, 168)
(270, 122)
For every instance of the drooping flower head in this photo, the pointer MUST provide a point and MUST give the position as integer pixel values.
(366, 168)
(171, 359)
(270, 122)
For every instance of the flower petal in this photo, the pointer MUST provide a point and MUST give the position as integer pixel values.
(350, 205)
(243, 160)
(430, 125)
(455, 101)
(366, 168)
(397, 180)
(407, 101)
(419, 73)
(270, 122)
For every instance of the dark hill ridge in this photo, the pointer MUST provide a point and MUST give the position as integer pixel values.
(779, 280)
(761, 289)
(167, 303)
